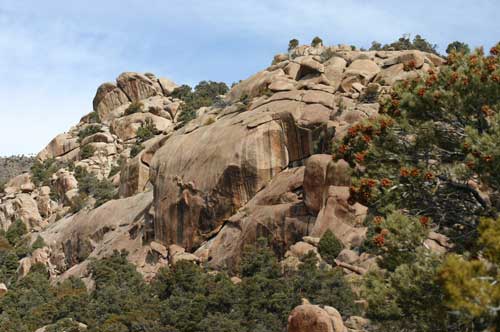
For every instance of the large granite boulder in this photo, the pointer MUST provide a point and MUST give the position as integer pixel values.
(255, 85)
(203, 176)
(138, 86)
(107, 98)
(334, 69)
(59, 146)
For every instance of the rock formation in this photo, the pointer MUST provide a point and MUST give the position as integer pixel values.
(256, 164)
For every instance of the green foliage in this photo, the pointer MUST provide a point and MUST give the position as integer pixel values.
(39, 243)
(409, 298)
(316, 42)
(204, 94)
(184, 298)
(329, 247)
(146, 131)
(2, 186)
(88, 131)
(396, 238)
(94, 117)
(292, 44)
(16, 231)
(419, 166)
(87, 151)
(437, 133)
(89, 185)
(182, 92)
(115, 169)
(8, 261)
(42, 171)
(136, 149)
(134, 107)
(405, 43)
(376, 46)
(471, 284)
(483, 152)
(458, 47)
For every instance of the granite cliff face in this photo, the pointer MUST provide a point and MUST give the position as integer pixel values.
(256, 163)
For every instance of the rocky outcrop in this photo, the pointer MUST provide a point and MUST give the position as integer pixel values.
(256, 164)
(116, 225)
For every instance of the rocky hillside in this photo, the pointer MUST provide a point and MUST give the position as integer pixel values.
(139, 174)
(14, 166)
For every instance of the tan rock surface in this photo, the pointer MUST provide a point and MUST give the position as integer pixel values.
(276, 212)
(342, 219)
(137, 86)
(312, 318)
(202, 177)
(108, 97)
(116, 225)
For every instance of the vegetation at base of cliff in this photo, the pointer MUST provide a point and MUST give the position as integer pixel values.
(205, 94)
(14, 245)
(181, 299)
(423, 167)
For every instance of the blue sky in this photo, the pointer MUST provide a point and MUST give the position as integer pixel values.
(54, 53)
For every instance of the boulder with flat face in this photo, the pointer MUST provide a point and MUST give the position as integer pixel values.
(20, 183)
(167, 86)
(26, 209)
(314, 180)
(62, 144)
(138, 86)
(322, 172)
(255, 85)
(134, 175)
(107, 98)
(413, 59)
(334, 71)
(203, 176)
